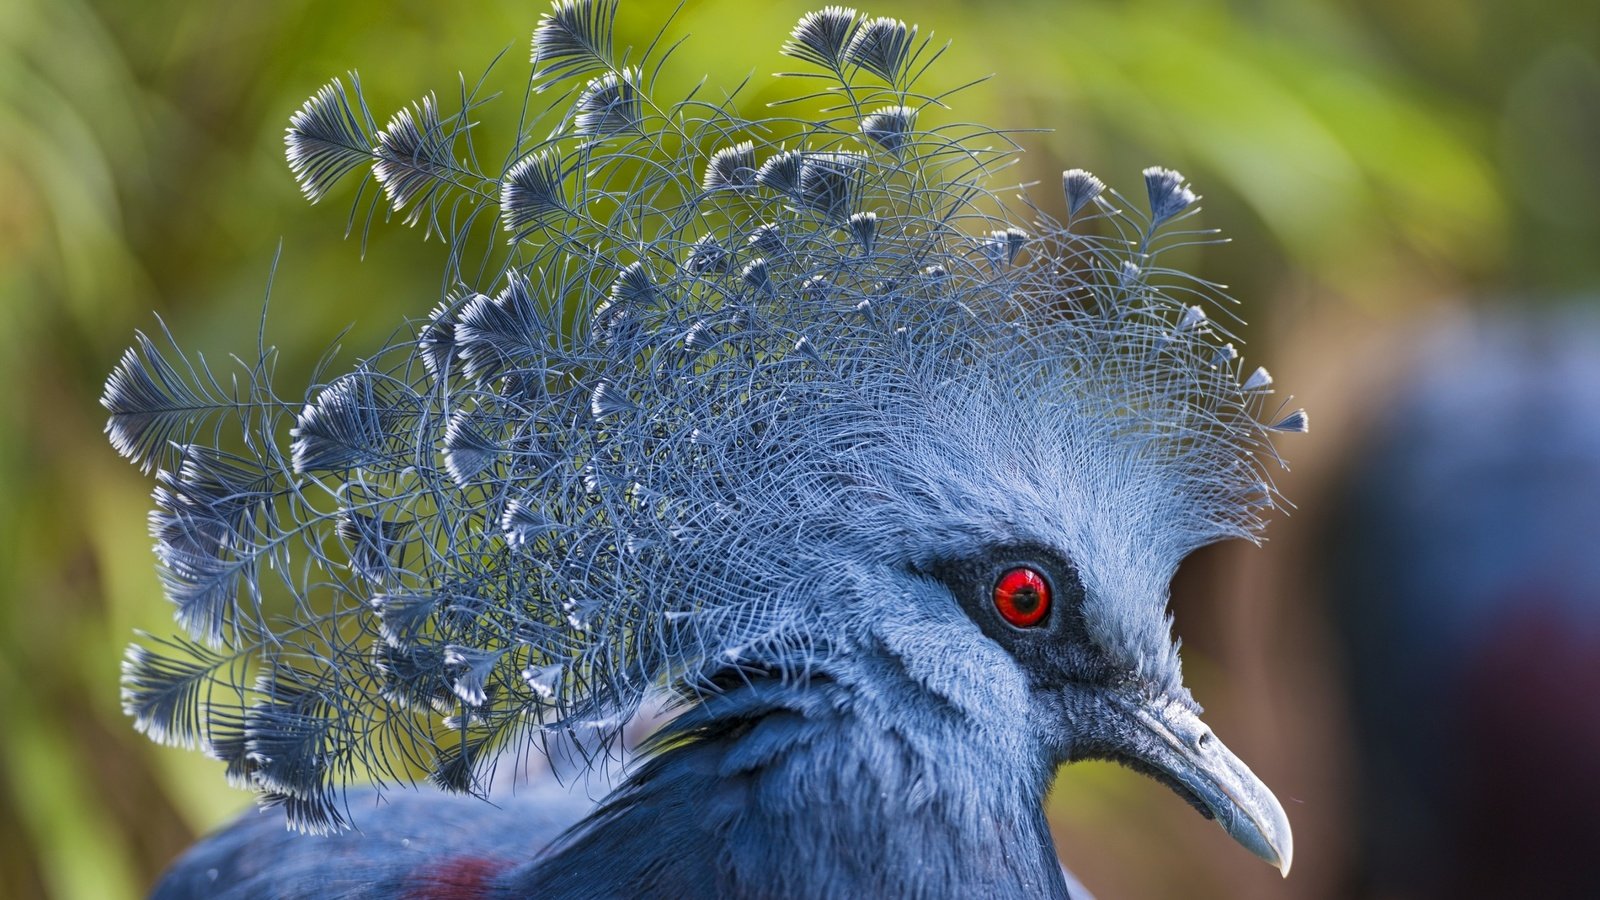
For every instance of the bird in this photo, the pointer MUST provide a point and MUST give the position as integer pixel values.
(789, 424)
(1466, 596)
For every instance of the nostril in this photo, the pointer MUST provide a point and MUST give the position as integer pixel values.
(1203, 741)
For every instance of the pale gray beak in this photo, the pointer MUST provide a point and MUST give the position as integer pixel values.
(1184, 749)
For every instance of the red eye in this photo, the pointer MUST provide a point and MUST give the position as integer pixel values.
(1022, 596)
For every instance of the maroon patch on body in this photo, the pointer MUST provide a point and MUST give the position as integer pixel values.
(455, 878)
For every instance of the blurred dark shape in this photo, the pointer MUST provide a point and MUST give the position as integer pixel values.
(1465, 575)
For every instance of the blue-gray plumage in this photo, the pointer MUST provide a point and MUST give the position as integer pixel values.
(883, 490)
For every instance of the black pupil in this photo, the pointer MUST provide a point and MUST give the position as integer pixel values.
(1026, 599)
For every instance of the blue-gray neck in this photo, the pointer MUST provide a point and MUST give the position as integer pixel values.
(776, 791)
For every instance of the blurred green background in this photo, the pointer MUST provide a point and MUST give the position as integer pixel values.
(1378, 163)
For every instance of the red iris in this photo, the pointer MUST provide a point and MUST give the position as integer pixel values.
(1022, 596)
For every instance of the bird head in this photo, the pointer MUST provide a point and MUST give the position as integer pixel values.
(739, 401)
(984, 511)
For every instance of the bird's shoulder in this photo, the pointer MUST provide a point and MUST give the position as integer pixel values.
(416, 844)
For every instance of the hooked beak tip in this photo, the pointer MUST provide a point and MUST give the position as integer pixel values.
(1285, 856)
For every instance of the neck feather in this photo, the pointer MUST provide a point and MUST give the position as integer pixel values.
(774, 791)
